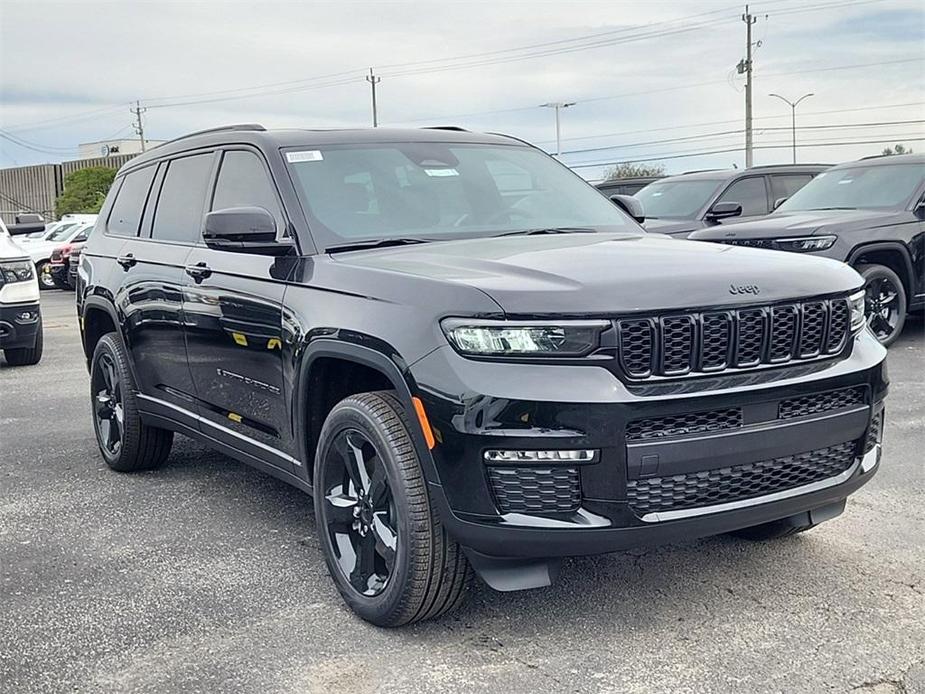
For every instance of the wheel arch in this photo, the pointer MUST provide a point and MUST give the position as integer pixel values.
(98, 318)
(370, 369)
(893, 255)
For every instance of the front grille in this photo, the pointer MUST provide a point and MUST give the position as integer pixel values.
(535, 490)
(820, 402)
(874, 433)
(709, 342)
(679, 424)
(739, 482)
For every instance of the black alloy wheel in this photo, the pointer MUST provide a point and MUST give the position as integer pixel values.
(885, 303)
(109, 413)
(359, 512)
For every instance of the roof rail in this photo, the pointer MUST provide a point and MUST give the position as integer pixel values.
(456, 128)
(781, 166)
(684, 173)
(222, 128)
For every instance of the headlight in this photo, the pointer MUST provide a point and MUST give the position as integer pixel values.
(515, 338)
(856, 304)
(806, 244)
(17, 271)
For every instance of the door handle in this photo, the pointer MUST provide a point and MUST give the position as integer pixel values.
(126, 261)
(199, 271)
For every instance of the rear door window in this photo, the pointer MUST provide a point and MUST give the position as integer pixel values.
(125, 215)
(750, 193)
(181, 203)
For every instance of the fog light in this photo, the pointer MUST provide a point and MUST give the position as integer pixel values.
(559, 456)
(26, 316)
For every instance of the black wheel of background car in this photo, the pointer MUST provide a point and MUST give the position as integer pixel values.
(46, 280)
(26, 356)
(771, 531)
(126, 443)
(384, 545)
(885, 302)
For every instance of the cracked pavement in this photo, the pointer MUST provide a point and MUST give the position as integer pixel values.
(206, 576)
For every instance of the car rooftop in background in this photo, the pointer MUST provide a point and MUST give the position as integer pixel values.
(678, 205)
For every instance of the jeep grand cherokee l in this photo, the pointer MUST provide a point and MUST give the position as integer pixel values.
(467, 356)
(869, 214)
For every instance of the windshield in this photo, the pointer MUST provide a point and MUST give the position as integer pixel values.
(677, 199)
(858, 187)
(437, 191)
(60, 232)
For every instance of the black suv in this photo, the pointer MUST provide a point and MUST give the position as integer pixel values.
(869, 214)
(678, 205)
(467, 356)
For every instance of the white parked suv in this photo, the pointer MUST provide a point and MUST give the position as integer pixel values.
(39, 245)
(20, 315)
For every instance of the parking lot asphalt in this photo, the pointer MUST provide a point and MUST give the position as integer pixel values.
(206, 576)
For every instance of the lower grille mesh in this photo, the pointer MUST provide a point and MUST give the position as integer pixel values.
(535, 490)
(821, 402)
(738, 482)
(680, 424)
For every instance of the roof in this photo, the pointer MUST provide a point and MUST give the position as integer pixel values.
(884, 159)
(726, 174)
(252, 133)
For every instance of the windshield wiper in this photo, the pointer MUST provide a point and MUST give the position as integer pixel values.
(375, 243)
(550, 230)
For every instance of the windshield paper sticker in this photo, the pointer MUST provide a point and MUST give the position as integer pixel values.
(441, 172)
(307, 155)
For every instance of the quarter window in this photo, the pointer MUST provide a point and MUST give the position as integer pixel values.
(243, 182)
(125, 215)
(750, 193)
(180, 205)
(784, 186)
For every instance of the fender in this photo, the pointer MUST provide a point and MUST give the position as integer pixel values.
(403, 383)
(889, 246)
(98, 302)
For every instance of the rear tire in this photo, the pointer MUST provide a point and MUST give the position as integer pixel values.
(27, 356)
(126, 443)
(412, 570)
(885, 318)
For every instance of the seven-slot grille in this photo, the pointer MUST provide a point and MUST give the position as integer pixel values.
(717, 340)
(739, 482)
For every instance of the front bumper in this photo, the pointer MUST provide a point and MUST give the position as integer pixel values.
(562, 407)
(19, 324)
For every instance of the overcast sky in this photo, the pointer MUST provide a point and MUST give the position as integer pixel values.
(659, 80)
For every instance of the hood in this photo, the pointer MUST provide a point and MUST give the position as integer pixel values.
(673, 227)
(784, 224)
(603, 274)
(9, 249)
(41, 250)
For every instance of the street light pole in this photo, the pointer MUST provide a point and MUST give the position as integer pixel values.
(558, 105)
(793, 118)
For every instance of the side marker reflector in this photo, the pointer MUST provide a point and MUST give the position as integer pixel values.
(425, 425)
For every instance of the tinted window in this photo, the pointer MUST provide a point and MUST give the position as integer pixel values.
(244, 182)
(440, 190)
(858, 187)
(750, 193)
(180, 205)
(130, 201)
(783, 186)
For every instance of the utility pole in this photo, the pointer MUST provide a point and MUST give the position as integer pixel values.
(138, 125)
(558, 105)
(793, 118)
(373, 81)
(745, 67)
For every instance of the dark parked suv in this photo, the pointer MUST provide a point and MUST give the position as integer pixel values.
(467, 356)
(678, 205)
(869, 214)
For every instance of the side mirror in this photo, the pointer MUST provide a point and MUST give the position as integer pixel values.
(244, 230)
(632, 206)
(778, 203)
(724, 210)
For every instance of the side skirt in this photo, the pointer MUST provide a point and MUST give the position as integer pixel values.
(166, 416)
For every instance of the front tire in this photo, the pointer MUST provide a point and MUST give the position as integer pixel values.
(46, 280)
(382, 540)
(27, 356)
(126, 443)
(885, 302)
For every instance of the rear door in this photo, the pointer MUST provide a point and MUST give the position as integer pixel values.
(152, 287)
(233, 305)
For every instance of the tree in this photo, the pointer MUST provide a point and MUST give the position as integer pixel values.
(633, 170)
(84, 190)
(898, 149)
